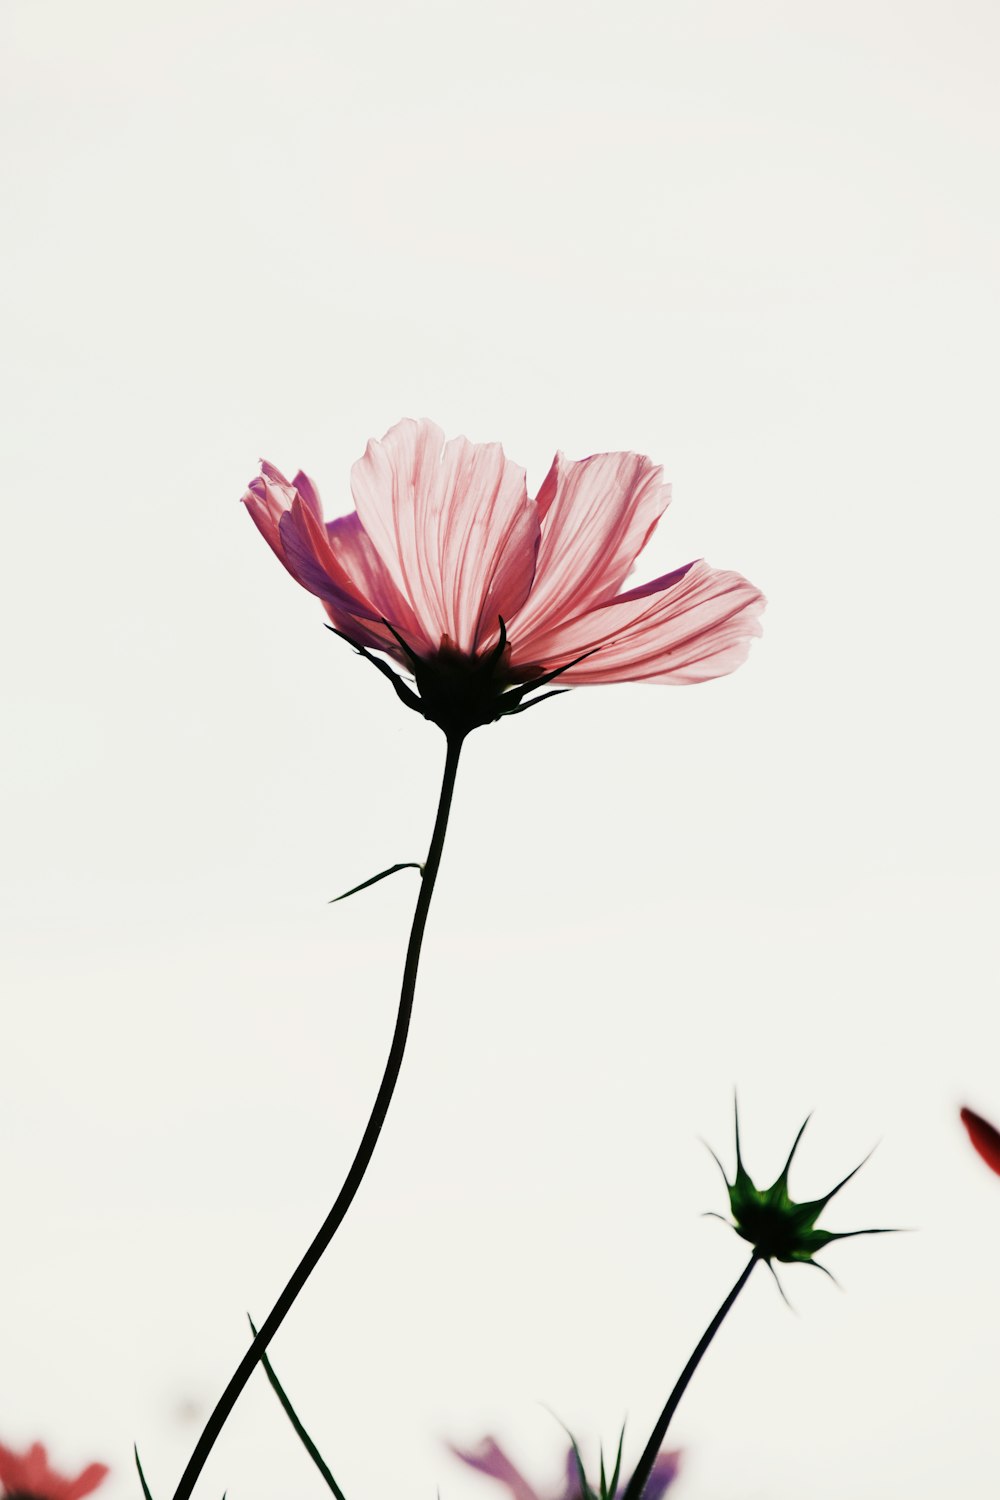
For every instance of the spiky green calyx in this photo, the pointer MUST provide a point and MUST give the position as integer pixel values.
(772, 1221)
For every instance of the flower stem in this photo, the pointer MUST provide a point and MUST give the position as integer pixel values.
(644, 1468)
(359, 1166)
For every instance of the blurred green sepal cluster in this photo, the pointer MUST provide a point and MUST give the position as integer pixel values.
(771, 1221)
(608, 1484)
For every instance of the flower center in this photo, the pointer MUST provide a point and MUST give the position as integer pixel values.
(459, 693)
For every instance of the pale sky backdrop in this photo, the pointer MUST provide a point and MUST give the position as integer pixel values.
(758, 242)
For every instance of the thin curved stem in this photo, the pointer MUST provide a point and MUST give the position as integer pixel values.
(639, 1480)
(360, 1163)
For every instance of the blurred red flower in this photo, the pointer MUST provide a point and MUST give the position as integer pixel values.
(27, 1476)
(984, 1136)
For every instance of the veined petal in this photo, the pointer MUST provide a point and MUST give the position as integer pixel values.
(334, 561)
(454, 527)
(267, 497)
(314, 555)
(309, 493)
(311, 560)
(596, 515)
(371, 580)
(688, 626)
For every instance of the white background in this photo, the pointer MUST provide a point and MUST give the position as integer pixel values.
(756, 242)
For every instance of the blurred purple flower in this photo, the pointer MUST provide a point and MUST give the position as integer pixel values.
(489, 1458)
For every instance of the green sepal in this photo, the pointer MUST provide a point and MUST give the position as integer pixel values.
(460, 693)
(142, 1477)
(618, 1466)
(586, 1493)
(607, 1490)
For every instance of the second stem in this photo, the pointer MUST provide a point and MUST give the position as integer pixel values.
(644, 1468)
(365, 1150)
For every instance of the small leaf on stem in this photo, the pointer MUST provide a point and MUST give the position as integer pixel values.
(410, 864)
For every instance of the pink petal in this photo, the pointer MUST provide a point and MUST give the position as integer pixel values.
(309, 493)
(454, 527)
(273, 473)
(490, 1459)
(270, 495)
(290, 519)
(313, 562)
(338, 563)
(688, 626)
(267, 498)
(596, 516)
(352, 547)
(301, 484)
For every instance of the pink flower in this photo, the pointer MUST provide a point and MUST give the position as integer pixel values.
(489, 1458)
(448, 567)
(27, 1476)
(984, 1136)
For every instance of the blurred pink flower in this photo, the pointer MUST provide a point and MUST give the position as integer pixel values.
(27, 1476)
(444, 542)
(984, 1136)
(489, 1458)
